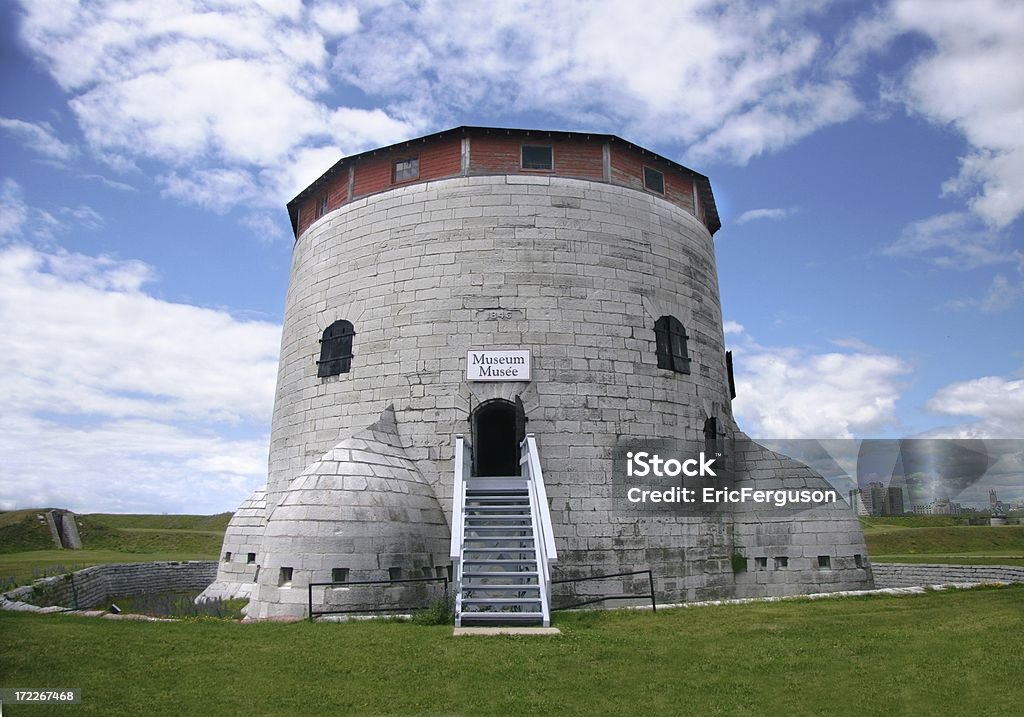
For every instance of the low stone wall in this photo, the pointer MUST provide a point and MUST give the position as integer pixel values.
(93, 585)
(902, 575)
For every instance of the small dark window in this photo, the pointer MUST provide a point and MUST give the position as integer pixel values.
(824, 562)
(654, 180)
(250, 558)
(227, 557)
(336, 349)
(321, 206)
(339, 575)
(781, 562)
(858, 561)
(671, 337)
(284, 578)
(440, 571)
(406, 169)
(428, 572)
(537, 157)
(394, 573)
(761, 563)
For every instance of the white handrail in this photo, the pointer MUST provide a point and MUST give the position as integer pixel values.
(544, 542)
(537, 477)
(463, 454)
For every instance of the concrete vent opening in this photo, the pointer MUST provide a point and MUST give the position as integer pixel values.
(781, 563)
(760, 563)
(284, 578)
(824, 562)
(858, 560)
(250, 558)
(394, 573)
(339, 575)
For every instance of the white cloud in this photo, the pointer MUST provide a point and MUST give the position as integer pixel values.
(125, 399)
(13, 212)
(997, 403)
(335, 21)
(774, 214)
(786, 392)
(965, 81)
(955, 240)
(38, 137)
(581, 63)
(224, 95)
(18, 219)
(733, 327)
(1001, 295)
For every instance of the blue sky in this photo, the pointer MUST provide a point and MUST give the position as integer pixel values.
(867, 159)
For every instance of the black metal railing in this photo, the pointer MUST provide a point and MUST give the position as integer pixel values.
(350, 583)
(633, 596)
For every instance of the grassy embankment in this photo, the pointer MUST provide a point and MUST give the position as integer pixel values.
(27, 552)
(938, 653)
(942, 539)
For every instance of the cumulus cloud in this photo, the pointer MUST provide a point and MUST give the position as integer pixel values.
(125, 399)
(216, 92)
(996, 404)
(580, 63)
(787, 392)
(963, 81)
(38, 137)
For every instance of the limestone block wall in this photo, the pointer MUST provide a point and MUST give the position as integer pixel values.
(362, 512)
(241, 552)
(578, 272)
(583, 268)
(903, 575)
(93, 585)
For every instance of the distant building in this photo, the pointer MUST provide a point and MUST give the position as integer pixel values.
(878, 500)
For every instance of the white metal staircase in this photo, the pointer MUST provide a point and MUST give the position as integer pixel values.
(502, 547)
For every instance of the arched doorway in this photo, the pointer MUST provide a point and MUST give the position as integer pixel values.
(499, 427)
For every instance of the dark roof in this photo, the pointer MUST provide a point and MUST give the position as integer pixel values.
(703, 183)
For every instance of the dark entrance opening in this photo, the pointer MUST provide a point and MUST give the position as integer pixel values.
(498, 429)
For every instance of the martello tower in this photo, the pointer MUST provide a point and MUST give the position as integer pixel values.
(594, 259)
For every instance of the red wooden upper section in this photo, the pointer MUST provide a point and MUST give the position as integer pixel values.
(475, 151)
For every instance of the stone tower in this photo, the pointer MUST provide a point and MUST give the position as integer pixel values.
(590, 253)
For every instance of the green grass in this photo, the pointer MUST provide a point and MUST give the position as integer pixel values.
(27, 552)
(980, 539)
(938, 653)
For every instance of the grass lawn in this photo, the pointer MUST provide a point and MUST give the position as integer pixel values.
(939, 653)
(935, 539)
(27, 552)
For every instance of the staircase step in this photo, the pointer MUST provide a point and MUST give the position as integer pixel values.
(501, 574)
(499, 602)
(528, 551)
(502, 516)
(501, 561)
(498, 497)
(477, 587)
(518, 528)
